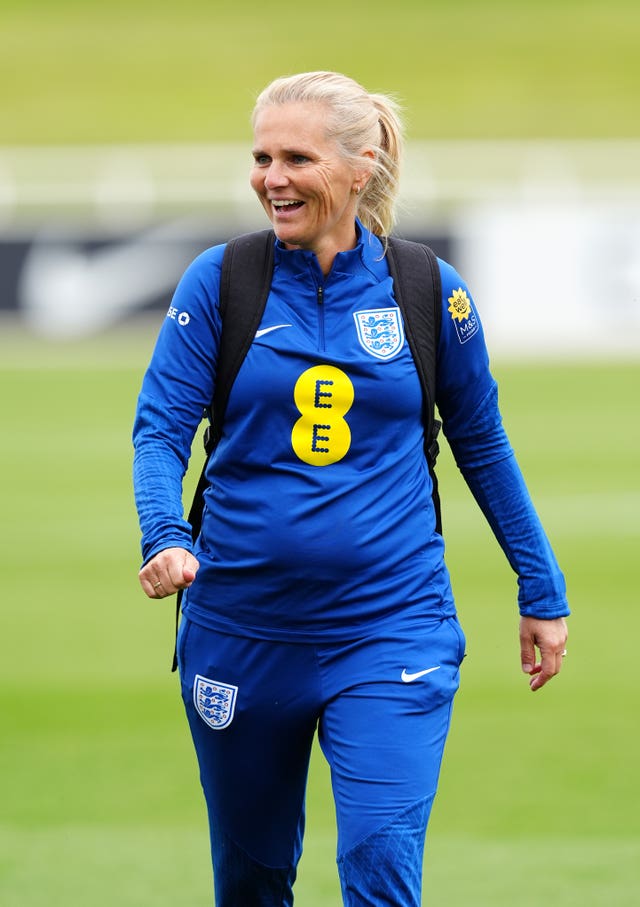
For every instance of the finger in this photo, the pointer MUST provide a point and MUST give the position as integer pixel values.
(550, 666)
(179, 567)
(188, 575)
(189, 569)
(168, 578)
(527, 655)
(181, 572)
(151, 585)
(539, 680)
(168, 571)
(153, 579)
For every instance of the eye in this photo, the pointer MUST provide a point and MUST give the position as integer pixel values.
(300, 159)
(261, 159)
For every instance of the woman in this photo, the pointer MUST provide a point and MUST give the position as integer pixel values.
(316, 595)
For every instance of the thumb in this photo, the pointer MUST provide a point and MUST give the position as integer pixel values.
(189, 568)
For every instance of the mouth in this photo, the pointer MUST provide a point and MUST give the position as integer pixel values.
(284, 206)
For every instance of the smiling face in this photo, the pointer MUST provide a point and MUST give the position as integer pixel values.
(306, 187)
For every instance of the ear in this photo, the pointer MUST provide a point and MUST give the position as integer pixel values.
(364, 168)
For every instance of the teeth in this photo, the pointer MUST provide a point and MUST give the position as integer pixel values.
(284, 204)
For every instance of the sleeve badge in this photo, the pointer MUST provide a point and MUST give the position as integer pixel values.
(464, 318)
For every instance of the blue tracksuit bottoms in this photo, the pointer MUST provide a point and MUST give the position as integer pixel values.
(381, 705)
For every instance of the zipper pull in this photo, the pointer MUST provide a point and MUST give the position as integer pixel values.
(320, 295)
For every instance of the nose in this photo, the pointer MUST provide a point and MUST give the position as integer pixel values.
(275, 176)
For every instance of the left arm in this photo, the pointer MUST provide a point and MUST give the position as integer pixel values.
(468, 404)
(502, 495)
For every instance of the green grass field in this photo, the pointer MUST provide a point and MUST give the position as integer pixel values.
(137, 70)
(100, 796)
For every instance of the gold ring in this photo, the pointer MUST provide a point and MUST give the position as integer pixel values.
(155, 585)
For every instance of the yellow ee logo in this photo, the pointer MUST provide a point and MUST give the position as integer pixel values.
(323, 395)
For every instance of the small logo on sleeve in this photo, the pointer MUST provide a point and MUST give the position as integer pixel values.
(464, 318)
(183, 318)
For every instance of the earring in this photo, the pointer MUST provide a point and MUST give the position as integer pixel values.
(357, 188)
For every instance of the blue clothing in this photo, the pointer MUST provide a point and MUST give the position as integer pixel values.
(382, 706)
(322, 600)
(319, 520)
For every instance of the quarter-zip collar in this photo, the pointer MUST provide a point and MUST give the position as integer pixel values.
(367, 254)
(353, 270)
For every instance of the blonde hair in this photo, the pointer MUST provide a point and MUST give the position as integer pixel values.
(357, 120)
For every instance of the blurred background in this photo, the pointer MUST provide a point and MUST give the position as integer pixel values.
(124, 151)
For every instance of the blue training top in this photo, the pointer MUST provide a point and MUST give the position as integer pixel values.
(318, 518)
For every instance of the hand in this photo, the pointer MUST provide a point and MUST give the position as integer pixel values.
(168, 571)
(550, 636)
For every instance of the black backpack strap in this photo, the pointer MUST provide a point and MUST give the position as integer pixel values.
(245, 281)
(418, 292)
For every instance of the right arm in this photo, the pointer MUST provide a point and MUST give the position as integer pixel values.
(177, 387)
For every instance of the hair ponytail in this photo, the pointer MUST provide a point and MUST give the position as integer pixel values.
(377, 207)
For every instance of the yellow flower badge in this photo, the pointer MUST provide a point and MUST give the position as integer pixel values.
(459, 305)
